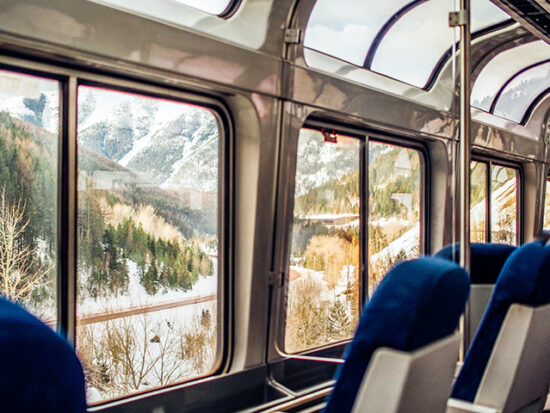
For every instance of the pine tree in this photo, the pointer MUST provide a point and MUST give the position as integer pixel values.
(339, 324)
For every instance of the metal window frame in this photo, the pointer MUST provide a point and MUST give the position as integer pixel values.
(70, 79)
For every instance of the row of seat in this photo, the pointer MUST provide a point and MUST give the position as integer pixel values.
(406, 330)
(401, 359)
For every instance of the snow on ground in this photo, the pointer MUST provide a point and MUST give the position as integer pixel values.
(317, 278)
(390, 221)
(407, 242)
(137, 296)
(325, 217)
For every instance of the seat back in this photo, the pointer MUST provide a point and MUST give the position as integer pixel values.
(410, 374)
(417, 303)
(524, 279)
(518, 372)
(40, 371)
(487, 261)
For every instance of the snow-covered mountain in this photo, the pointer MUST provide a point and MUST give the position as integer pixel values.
(172, 145)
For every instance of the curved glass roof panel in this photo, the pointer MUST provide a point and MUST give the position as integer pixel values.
(502, 68)
(518, 95)
(346, 28)
(414, 45)
(170, 10)
(403, 39)
(216, 7)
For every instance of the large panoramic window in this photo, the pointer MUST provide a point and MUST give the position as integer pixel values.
(325, 276)
(402, 39)
(494, 192)
(29, 137)
(323, 296)
(147, 312)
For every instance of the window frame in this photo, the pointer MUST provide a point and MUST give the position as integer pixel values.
(334, 350)
(490, 162)
(67, 210)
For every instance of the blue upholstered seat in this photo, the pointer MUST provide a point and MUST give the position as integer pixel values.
(524, 279)
(417, 303)
(39, 369)
(486, 260)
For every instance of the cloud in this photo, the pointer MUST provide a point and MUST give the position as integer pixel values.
(351, 44)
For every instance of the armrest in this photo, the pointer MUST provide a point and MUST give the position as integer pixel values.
(460, 406)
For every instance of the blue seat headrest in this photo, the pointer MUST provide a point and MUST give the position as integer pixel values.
(40, 370)
(486, 260)
(524, 279)
(417, 303)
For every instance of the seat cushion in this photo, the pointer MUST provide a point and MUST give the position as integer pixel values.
(524, 279)
(40, 370)
(486, 260)
(418, 302)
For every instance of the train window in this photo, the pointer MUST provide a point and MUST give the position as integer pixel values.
(494, 193)
(394, 208)
(29, 136)
(478, 201)
(323, 296)
(502, 68)
(504, 204)
(147, 313)
(325, 262)
(370, 34)
(516, 97)
(546, 222)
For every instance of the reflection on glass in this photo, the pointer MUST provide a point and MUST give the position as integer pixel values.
(29, 119)
(502, 68)
(546, 222)
(394, 208)
(417, 41)
(323, 294)
(518, 95)
(504, 198)
(148, 242)
(478, 201)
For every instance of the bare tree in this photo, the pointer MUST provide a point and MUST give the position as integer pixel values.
(20, 269)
